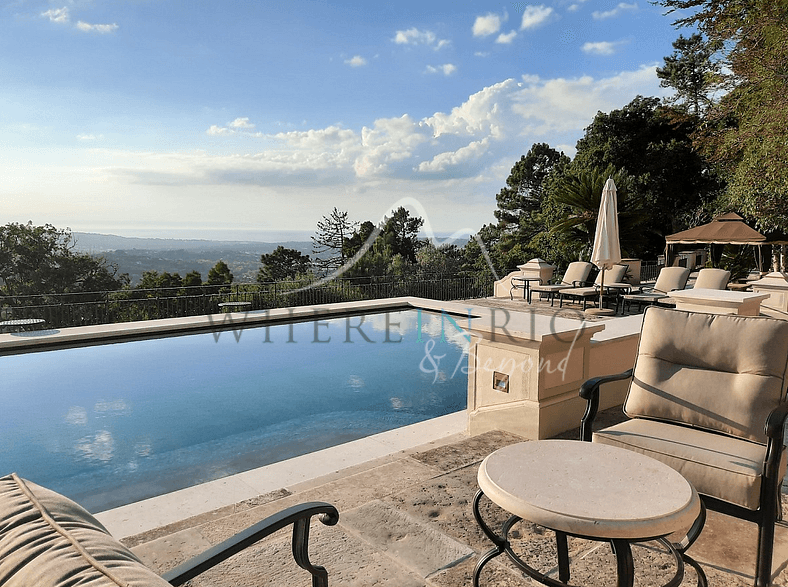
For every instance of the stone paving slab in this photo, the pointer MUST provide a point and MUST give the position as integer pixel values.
(398, 516)
(415, 545)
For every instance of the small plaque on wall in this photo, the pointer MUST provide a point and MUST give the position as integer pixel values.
(500, 382)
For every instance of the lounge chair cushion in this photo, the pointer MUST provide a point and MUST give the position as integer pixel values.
(47, 540)
(722, 373)
(719, 465)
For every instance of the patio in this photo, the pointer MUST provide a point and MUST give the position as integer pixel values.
(419, 531)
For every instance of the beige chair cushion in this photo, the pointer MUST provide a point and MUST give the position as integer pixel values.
(722, 466)
(710, 278)
(723, 373)
(47, 540)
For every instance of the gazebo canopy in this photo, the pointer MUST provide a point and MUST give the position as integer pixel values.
(726, 229)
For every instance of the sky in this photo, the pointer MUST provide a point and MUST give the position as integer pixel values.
(252, 119)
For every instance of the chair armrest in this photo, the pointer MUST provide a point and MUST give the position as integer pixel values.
(776, 421)
(589, 391)
(298, 516)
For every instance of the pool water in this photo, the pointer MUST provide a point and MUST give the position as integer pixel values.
(112, 424)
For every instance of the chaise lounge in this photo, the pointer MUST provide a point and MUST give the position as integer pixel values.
(669, 279)
(611, 276)
(576, 274)
(47, 540)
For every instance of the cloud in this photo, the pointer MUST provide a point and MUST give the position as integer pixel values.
(97, 28)
(218, 130)
(506, 38)
(450, 159)
(484, 26)
(89, 137)
(62, 16)
(576, 6)
(618, 10)
(453, 161)
(57, 14)
(534, 16)
(602, 47)
(241, 123)
(414, 36)
(356, 61)
(446, 69)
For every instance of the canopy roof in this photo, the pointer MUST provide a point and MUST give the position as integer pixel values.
(727, 229)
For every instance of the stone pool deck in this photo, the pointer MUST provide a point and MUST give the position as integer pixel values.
(406, 521)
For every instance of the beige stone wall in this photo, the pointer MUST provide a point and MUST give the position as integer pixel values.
(544, 378)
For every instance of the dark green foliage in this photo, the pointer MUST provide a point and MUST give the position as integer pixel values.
(654, 145)
(330, 241)
(579, 193)
(192, 278)
(283, 264)
(41, 260)
(692, 73)
(743, 134)
(219, 274)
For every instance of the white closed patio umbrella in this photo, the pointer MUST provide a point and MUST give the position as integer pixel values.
(607, 249)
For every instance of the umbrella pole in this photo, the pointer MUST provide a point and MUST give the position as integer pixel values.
(600, 311)
(602, 288)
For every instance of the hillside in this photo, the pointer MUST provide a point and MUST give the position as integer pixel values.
(136, 255)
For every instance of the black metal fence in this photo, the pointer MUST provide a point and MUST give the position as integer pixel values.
(83, 309)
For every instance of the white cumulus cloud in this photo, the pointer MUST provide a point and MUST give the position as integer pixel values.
(445, 69)
(414, 36)
(218, 130)
(241, 123)
(356, 61)
(602, 47)
(57, 14)
(484, 26)
(97, 28)
(620, 9)
(506, 38)
(533, 16)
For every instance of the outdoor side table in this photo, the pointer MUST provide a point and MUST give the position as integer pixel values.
(233, 306)
(592, 491)
(21, 324)
(523, 283)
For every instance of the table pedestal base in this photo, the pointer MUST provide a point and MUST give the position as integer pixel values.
(621, 548)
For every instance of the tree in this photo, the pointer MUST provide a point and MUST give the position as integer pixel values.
(219, 274)
(283, 264)
(744, 133)
(156, 280)
(444, 260)
(691, 71)
(519, 204)
(523, 192)
(41, 260)
(401, 231)
(192, 278)
(580, 192)
(329, 242)
(652, 143)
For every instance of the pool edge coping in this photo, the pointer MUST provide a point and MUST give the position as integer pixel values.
(176, 506)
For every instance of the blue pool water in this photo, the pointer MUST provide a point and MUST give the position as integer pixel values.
(112, 424)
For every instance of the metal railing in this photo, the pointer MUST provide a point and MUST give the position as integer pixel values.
(83, 309)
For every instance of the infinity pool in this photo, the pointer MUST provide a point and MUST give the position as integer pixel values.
(113, 424)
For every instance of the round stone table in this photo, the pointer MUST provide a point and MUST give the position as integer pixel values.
(592, 491)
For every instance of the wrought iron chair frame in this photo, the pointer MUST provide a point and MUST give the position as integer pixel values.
(769, 511)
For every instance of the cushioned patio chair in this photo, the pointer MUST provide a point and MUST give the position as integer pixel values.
(669, 279)
(710, 278)
(47, 540)
(708, 397)
(591, 292)
(576, 274)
